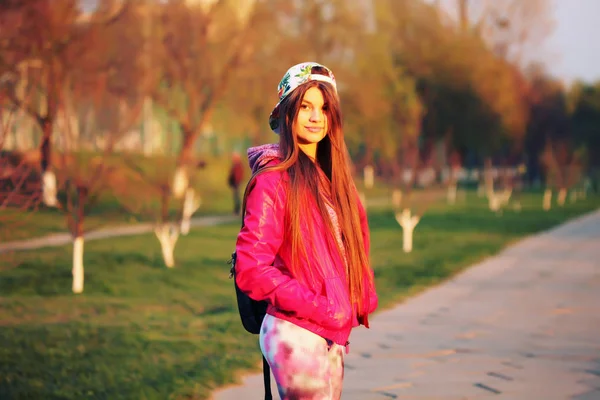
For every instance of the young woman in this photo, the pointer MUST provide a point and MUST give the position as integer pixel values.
(305, 241)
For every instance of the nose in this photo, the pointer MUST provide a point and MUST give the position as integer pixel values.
(316, 115)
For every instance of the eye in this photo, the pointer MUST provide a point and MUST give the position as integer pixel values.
(304, 107)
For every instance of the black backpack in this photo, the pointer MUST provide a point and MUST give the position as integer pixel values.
(252, 312)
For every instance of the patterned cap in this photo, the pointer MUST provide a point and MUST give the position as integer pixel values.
(293, 78)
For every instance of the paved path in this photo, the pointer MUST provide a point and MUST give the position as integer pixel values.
(61, 239)
(523, 325)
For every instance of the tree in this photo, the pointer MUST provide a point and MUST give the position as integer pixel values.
(243, 111)
(41, 42)
(146, 190)
(547, 131)
(516, 30)
(197, 50)
(83, 180)
(368, 101)
(20, 189)
(321, 31)
(584, 110)
(454, 167)
(562, 170)
(104, 93)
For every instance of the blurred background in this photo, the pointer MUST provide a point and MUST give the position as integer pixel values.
(425, 85)
(125, 117)
(459, 80)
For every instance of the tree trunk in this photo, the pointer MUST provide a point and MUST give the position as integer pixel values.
(78, 274)
(481, 188)
(497, 200)
(49, 191)
(463, 14)
(452, 191)
(562, 196)
(167, 235)
(517, 206)
(363, 199)
(547, 202)
(396, 198)
(408, 224)
(187, 147)
(181, 181)
(190, 206)
(494, 201)
(148, 133)
(369, 176)
(368, 157)
(488, 177)
(573, 196)
(587, 187)
(506, 195)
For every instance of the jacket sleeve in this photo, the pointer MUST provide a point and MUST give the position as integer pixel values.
(257, 245)
(364, 224)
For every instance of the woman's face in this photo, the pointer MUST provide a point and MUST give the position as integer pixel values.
(310, 126)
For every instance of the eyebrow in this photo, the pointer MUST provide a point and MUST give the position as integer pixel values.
(312, 104)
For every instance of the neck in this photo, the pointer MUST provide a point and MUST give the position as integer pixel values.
(310, 149)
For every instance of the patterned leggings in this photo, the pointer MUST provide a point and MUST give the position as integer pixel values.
(305, 366)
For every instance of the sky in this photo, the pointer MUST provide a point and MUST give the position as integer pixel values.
(573, 49)
(575, 42)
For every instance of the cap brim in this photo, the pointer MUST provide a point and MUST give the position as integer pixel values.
(274, 119)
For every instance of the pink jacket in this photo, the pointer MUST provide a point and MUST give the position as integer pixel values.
(317, 299)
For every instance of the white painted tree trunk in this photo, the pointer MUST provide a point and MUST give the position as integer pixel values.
(167, 235)
(49, 189)
(363, 199)
(77, 271)
(587, 186)
(498, 200)
(369, 176)
(481, 189)
(191, 204)
(452, 191)
(573, 196)
(547, 203)
(562, 196)
(488, 181)
(494, 201)
(396, 198)
(517, 206)
(180, 182)
(408, 224)
(506, 195)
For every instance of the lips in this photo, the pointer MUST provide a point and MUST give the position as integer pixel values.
(313, 129)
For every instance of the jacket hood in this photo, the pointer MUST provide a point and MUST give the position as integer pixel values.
(259, 156)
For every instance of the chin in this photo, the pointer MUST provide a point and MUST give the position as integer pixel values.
(312, 137)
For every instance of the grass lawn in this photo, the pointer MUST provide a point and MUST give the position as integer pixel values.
(141, 331)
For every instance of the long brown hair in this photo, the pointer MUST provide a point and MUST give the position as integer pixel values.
(332, 157)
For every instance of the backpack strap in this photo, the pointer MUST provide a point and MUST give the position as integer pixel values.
(267, 379)
(249, 187)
